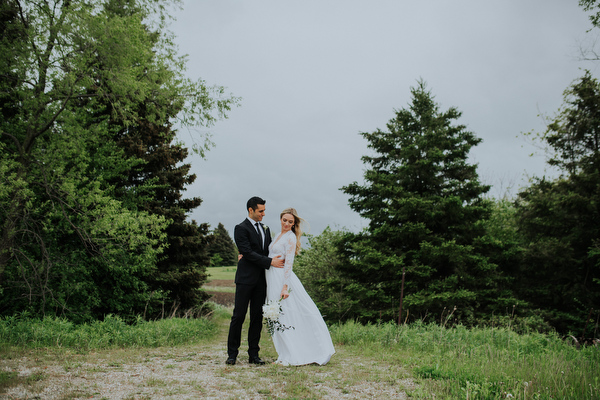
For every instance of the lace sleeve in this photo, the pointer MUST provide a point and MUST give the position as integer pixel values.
(290, 251)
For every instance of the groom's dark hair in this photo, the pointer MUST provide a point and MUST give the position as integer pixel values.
(254, 202)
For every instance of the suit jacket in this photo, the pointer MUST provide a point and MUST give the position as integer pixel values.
(251, 268)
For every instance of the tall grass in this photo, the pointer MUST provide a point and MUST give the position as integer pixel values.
(484, 363)
(110, 333)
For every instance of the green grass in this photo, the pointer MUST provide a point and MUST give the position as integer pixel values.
(221, 273)
(483, 363)
(110, 333)
(223, 289)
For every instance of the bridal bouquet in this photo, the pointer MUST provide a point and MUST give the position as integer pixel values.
(272, 311)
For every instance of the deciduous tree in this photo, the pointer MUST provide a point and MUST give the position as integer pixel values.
(319, 268)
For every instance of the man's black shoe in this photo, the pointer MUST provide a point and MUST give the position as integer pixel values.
(256, 360)
(230, 361)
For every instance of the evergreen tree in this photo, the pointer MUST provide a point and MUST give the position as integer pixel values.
(560, 219)
(223, 246)
(156, 186)
(424, 206)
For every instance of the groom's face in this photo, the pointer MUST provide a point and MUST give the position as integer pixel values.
(258, 214)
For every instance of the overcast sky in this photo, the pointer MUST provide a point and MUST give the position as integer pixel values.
(313, 74)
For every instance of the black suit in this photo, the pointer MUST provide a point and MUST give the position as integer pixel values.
(250, 287)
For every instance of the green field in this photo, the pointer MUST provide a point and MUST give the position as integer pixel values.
(226, 273)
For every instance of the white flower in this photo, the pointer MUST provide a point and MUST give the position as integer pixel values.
(272, 311)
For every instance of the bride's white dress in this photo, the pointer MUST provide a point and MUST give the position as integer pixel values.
(309, 340)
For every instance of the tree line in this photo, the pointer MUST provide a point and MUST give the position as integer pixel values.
(93, 220)
(439, 250)
(92, 217)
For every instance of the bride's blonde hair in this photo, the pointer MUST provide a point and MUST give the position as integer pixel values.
(296, 228)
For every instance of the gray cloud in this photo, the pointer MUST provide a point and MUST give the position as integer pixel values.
(313, 74)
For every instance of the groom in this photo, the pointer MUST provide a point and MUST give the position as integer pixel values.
(252, 239)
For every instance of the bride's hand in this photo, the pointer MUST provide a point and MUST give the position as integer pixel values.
(284, 293)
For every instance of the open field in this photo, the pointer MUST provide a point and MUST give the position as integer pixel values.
(221, 273)
(220, 285)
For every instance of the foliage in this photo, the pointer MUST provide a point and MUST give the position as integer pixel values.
(560, 219)
(503, 245)
(156, 186)
(76, 75)
(502, 239)
(223, 246)
(594, 6)
(425, 210)
(318, 268)
(80, 251)
(591, 5)
(574, 134)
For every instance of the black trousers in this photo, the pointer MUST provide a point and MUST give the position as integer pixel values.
(253, 295)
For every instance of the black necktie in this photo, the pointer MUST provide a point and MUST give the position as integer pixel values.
(260, 237)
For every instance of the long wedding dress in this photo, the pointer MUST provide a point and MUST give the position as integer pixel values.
(309, 340)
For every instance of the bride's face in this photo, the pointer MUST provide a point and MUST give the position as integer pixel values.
(287, 221)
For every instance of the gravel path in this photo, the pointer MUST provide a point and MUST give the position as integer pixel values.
(197, 372)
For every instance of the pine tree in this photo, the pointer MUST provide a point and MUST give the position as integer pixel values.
(223, 246)
(156, 186)
(560, 219)
(424, 206)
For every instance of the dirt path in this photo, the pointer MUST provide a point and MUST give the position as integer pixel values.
(199, 371)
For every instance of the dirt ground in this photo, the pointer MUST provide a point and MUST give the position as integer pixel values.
(221, 283)
(224, 298)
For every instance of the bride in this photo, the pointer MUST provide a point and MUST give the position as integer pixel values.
(306, 339)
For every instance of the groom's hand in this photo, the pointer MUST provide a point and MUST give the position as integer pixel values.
(277, 262)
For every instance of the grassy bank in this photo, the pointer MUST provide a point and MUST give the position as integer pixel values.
(488, 363)
(25, 333)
